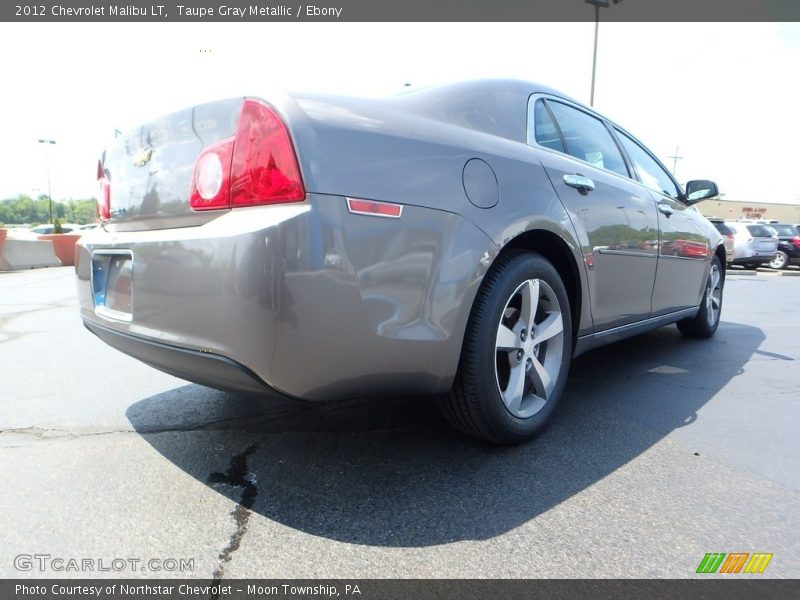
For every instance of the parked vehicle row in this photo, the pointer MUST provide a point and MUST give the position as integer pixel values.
(753, 244)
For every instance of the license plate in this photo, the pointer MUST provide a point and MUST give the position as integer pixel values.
(112, 284)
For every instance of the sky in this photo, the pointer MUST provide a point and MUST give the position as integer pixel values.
(725, 94)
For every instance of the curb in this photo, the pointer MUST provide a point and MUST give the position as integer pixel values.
(766, 272)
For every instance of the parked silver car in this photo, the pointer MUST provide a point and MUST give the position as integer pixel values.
(754, 244)
(464, 241)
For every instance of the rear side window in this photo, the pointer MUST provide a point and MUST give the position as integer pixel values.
(545, 131)
(650, 172)
(784, 229)
(587, 138)
(759, 231)
(722, 228)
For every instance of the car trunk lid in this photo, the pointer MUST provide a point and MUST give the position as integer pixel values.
(149, 170)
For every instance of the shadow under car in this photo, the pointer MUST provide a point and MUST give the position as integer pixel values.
(390, 472)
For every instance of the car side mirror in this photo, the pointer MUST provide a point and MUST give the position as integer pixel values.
(700, 189)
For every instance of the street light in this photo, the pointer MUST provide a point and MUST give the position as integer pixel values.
(598, 4)
(47, 162)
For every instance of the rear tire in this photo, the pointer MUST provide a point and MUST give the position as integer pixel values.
(704, 324)
(780, 261)
(516, 353)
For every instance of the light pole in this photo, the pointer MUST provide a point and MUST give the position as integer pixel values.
(47, 162)
(598, 4)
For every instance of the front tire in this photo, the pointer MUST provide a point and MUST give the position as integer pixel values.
(516, 353)
(704, 324)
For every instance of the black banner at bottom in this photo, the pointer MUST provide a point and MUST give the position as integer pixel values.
(389, 589)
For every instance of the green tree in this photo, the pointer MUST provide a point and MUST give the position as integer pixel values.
(25, 210)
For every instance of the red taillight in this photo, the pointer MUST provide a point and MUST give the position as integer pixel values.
(211, 177)
(729, 236)
(265, 169)
(256, 166)
(795, 242)
(104, 197)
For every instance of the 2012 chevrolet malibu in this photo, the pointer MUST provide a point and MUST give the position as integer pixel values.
(463, 241)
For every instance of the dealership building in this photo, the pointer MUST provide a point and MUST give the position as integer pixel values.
(733, 210)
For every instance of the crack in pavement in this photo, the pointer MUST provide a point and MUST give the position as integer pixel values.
(46, 433)
(55, 434)
(7, 335)
(237, 475)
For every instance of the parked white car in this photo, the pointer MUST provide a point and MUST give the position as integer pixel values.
(33, 233)
(753, 244)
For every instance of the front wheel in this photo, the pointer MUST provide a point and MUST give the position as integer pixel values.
(516, 353)
(704, 324)
(780, 261)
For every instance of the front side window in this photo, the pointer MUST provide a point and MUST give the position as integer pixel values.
(650, 172)
(587, 138)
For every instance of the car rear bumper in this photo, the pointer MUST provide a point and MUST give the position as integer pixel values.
(307, 299)
(201, 367)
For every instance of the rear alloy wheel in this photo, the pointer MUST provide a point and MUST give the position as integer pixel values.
(516, 352)
(780, 261)
(704, 324)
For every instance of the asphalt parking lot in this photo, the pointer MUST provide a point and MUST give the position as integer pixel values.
(663, 449)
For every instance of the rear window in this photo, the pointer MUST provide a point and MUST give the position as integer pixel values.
(784, 229)
(759, 231)
(722, 228)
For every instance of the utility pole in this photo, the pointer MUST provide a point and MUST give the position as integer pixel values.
(675, 160)
(47, 162)
(598, 4)
(594, 55)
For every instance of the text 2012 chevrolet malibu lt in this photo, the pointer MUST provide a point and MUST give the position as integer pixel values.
(464, 241)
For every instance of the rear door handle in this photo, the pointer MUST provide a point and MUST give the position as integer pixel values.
(665, 208)
(583, 184)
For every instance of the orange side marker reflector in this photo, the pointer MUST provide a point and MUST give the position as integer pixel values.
(374, 209)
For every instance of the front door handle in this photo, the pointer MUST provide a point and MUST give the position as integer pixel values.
(583, 184)
(665, 208)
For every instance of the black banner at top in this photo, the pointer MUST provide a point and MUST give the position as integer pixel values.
(399, 10)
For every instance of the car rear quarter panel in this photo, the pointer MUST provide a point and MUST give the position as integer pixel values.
(376, 150)
(318, 302)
